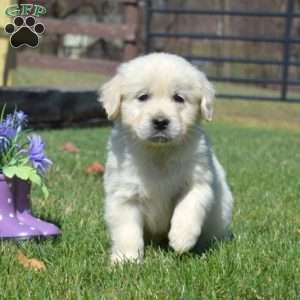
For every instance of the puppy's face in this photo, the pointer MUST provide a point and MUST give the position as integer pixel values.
(159, 97)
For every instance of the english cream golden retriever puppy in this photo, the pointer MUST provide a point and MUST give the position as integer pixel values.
(162, 178)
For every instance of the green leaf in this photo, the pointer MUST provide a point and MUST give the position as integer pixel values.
(24, 172)
(2, 112)
(45, 191)
(10, 171)
(35, 178)
(23, 161)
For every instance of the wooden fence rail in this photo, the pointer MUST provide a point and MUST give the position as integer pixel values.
(126, 31)
(98, 30)
(31, 59)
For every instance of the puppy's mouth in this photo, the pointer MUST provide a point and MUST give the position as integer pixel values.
(159, 138)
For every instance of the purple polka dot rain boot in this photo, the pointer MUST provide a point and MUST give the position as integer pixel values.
(24, 214)
(10, 226)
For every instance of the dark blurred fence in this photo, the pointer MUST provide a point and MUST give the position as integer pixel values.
(287, 40)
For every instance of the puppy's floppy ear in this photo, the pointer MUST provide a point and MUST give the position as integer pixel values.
(208, 96)
(110, 97)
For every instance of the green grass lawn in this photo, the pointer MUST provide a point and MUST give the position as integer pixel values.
(258, 144)
(262, 262)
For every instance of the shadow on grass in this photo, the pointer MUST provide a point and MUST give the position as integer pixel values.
(202, 247)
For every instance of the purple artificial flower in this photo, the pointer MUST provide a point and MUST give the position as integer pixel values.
(21, 120)
(13, 124)
(37, 155)
(7, 131)
(4, 144)
(8, 122)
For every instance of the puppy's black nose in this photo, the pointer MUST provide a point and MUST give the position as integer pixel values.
(160, 123)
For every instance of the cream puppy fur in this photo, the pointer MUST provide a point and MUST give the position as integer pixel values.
(162, 179)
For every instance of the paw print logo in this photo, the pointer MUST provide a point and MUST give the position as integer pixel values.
(24, 32)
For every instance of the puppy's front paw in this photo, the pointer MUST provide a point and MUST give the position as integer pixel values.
(183, 238)
(121, 258)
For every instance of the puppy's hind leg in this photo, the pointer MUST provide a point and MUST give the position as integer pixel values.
(126, 227)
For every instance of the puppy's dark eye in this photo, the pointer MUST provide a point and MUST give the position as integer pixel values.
(178, 98)
(144, 97)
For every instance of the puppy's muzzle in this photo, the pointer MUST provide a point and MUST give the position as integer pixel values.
(160, 133)
(160, 124)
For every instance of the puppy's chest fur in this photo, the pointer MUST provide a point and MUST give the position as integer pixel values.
(162, 183)
(154, 181)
